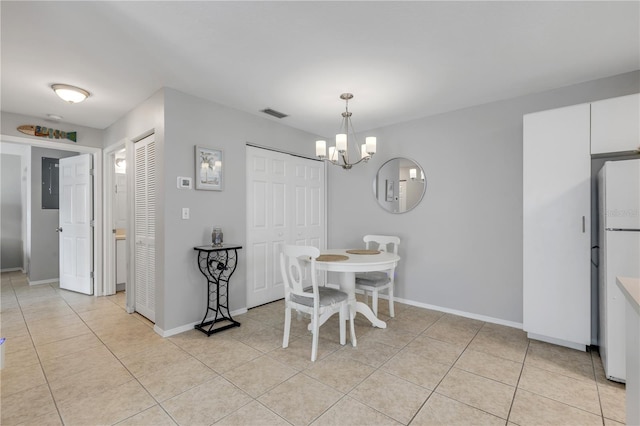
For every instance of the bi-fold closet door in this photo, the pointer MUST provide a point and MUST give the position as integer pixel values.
(285, 205)
(144, 226)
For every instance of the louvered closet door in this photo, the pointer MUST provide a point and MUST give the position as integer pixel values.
(144, 227)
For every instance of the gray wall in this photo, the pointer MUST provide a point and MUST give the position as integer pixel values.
(462, 246)
(11, 253)
(181, 122)
(45, 253)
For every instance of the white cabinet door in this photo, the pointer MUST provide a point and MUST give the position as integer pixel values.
(556, 226)
(615, 124)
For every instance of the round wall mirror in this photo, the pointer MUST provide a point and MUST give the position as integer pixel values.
(399, 185)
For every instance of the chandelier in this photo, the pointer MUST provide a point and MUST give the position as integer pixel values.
(339, 154)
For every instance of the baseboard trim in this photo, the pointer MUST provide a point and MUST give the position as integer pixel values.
(12, 270)
(187, 327)
(459, 313)
(559, 342)
(512, 324)
(40, 282)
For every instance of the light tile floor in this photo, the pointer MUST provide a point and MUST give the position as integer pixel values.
(79, 360)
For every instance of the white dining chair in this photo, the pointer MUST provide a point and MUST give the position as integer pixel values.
(302, 293)
(375, 282)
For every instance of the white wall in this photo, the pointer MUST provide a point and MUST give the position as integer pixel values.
(462, 246)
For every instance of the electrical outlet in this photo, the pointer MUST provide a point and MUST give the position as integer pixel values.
(185, 212)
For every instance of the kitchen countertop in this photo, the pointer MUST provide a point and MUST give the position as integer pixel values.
(631, 289)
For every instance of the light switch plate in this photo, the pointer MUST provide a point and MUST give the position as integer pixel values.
(185, 212)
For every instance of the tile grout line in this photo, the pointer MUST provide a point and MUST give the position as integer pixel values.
(44, 374)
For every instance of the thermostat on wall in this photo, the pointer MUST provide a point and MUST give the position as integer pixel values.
(184, 182)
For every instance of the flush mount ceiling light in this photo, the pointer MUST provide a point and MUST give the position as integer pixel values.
(339, 154)
(70, 94)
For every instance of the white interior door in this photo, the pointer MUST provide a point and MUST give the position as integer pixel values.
(144, 227)
(285, 205)
(75, 215)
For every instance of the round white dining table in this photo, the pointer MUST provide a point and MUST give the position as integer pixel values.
(348, 268)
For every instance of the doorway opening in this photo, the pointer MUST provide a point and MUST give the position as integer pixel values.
(24, 146)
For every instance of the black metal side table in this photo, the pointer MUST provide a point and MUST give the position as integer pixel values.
(217, 264)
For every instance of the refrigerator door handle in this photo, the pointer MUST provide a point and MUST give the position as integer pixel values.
(583, 225)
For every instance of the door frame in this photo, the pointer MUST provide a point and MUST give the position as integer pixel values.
(96, 204)
(109, 286)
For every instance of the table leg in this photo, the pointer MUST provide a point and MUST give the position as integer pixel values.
(348, 285)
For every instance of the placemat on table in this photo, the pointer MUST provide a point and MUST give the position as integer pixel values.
(331, 257)
(363, 251)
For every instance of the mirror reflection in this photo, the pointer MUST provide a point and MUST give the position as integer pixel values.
(399, 185)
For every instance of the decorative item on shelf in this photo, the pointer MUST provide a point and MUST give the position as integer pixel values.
(216, 237)
(339, 154)
(46, 132)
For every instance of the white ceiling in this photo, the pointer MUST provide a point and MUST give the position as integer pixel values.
(402, 60)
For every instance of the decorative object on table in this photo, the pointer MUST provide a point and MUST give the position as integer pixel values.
(209, 168)
(374, 282)
(308, 297)
(339, 154)
(217, 264)
(363, 251)
(216, 237)
(331, 257)
(46, 132)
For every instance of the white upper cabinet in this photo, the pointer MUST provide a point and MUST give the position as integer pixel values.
(615, 124)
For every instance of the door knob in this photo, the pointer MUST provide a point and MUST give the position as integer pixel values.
(59, 229)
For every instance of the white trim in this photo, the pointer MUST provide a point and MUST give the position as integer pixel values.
(12, 270)
(40, 282)
(109, 279)
(577, 346)
(459, 313)
(190, 326)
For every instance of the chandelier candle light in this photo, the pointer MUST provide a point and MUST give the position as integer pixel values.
(339, 154)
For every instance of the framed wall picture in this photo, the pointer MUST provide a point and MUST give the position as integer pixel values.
(209, 168)
(389, 191)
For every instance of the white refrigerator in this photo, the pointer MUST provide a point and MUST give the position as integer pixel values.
(619, 240)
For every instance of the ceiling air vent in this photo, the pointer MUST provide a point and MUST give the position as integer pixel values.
(274, 113)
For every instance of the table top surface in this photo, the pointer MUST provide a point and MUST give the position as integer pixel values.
(358, 262)
(218, 248)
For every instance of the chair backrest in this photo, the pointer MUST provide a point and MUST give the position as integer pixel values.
(382, 242)
(293, 271)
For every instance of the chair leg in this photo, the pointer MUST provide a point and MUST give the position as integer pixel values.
(374, 297)
(316, 332)
(391, 311)
(343, 323)
(287, 327)
(352, 317)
